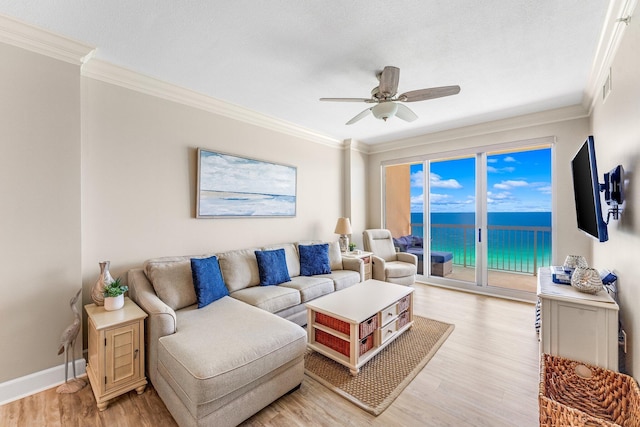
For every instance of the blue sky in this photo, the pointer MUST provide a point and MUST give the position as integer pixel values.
(517, 181)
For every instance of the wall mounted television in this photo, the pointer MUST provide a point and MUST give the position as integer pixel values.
(586, 189)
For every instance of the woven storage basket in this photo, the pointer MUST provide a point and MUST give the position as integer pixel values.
(333, 323)
(606, 399)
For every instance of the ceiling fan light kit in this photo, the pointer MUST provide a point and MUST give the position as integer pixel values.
(384, 110)
(386, 105)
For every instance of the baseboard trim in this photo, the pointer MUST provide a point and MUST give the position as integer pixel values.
(38, 381)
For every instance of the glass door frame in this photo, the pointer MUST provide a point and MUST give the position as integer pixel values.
(481, 285)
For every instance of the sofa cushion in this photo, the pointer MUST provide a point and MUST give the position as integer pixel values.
(207, 280)
(239, 268)
(335, 256)
(310, 287)
(268, 298)
(314, 259)
(172, 280)
(272, 267)
(342, 278)
(243, 345)
(291, 255)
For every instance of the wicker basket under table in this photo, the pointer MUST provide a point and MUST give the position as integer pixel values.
(606, 399)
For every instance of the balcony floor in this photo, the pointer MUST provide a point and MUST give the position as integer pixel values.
(497, 278)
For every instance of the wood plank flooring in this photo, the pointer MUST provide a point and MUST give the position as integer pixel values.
(485, 374)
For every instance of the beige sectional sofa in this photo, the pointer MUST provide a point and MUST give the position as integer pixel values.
(220, 364)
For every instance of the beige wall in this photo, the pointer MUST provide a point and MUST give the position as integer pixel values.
(569, 135)
(139, 181)
(122, 190)
(40, 208)
(616, 129)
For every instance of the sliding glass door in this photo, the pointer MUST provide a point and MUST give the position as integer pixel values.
(452, 212)
(518, 216)
(477, 219)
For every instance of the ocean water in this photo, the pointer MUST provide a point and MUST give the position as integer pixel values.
(517, 241)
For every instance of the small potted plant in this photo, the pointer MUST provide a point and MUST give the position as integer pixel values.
(114, 295)
(352, 247)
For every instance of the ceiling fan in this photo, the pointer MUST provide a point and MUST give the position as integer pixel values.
(388, 104)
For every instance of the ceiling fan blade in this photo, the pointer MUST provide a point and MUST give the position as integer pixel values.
(348, 99)
(360, 116)
(405, 113)
(431, 93)
(389, 81)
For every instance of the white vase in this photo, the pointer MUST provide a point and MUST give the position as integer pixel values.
(114, 303)
(97, 292)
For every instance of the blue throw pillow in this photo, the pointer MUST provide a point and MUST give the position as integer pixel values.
(272, 266)
(314, 259)
(207, 280)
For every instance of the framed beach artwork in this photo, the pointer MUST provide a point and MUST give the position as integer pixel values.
(232, 186)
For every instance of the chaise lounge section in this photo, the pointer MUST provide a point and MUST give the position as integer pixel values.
(223, 362)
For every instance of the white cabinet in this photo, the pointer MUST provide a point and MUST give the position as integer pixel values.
(577, 325)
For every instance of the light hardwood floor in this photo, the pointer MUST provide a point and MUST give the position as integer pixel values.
(485, 374)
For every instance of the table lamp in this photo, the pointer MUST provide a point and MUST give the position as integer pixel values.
(343, 227)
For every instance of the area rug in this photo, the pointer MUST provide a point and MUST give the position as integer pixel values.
(383, 377)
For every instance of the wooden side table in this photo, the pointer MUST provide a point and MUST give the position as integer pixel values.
(365, 257)
(116, 351)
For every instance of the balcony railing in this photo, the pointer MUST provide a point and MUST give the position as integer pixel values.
(518, 249)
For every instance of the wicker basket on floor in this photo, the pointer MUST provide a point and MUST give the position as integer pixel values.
(568, 398)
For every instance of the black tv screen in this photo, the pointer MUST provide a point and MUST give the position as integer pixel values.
(586, 189)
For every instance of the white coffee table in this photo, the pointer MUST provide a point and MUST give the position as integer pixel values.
(353, 325)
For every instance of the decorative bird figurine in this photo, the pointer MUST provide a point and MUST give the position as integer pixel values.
(67, 342)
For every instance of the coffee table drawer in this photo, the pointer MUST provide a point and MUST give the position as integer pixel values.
(387, 331)
(342, 346)
(389, 313)
(333, 342)
(365, 328)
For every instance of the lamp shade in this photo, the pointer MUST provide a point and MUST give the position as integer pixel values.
(384, 110)
(343, 226)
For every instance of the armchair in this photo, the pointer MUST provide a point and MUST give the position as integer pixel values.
(389, 265)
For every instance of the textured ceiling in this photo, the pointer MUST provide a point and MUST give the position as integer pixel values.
(278, 57)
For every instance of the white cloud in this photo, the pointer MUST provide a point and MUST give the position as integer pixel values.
(502, 196)
(417, 179)
(492, 160)
(509, 184)
(439, 198)
(544, 190)
(436, 181)
(493, 169)
(509, 159)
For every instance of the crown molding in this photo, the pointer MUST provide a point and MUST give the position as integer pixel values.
(610, 39)
(355, 145)
(527, 120)
(119, 76)
(34, 39)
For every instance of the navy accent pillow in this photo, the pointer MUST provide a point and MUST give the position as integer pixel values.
(272, 266)
(207, 280)
(314, 259)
